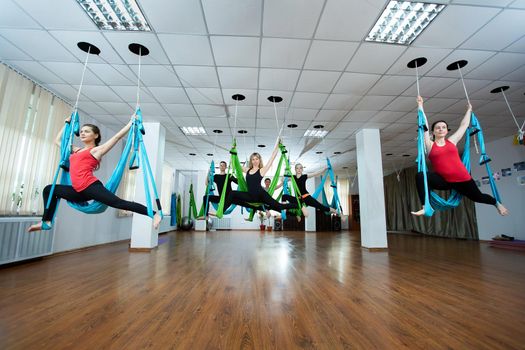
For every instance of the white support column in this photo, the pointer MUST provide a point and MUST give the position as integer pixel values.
(199, 188)
(310, 223)
(143, 236)
(371, 192)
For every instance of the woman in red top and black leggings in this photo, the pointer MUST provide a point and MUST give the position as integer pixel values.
(449, 172)
(84, 185)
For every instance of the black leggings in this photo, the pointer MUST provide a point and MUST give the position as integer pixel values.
(95, 191)
(217, 199)
(468, 188)
(243, 198)
(308, 200)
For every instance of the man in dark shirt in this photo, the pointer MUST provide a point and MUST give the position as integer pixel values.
(219, 180)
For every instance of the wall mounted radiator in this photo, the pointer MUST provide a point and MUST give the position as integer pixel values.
(222, 224)
(16, 244)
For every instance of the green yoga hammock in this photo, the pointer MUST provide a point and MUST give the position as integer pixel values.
(434, 200)
(134, 146)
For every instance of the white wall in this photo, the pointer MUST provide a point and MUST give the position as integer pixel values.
(74, 229)
(503, 154)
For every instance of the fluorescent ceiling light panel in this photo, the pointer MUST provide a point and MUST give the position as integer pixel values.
(115, 14)
(193, 130)
(315, 133)
(402, 21)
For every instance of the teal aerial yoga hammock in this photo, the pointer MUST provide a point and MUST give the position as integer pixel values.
(134, 145)
(336, 203)
(434, 200)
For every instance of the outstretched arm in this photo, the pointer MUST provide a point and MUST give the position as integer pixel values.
(58, 139)
(428, 141)
(101, 150)
(456, 137)
(317, 173)
(265, 169)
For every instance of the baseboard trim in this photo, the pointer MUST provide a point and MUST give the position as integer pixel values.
(376, 250)
(141, 250)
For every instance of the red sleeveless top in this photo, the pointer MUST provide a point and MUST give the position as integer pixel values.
(447, 163)
(81, 166)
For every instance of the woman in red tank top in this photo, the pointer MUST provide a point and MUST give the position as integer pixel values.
(448, 169)
(84, 185)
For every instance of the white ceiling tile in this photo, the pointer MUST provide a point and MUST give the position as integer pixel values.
(374, 58)
(497, 66)
(12, 16)
(500, 32)
(235, 51)
(36, 71)
(355, 83)
(152, 109)
(501, 3)
(216, 123)
(117, 107)
(242, 112)
(210, 111)
(99, 93)
(233, 17)
(473, 57)
(434, 56)
(113, 74)
(268, 112)
(250, 96)
(283, 53)
(72, 72)
(329, 55)
(241, 78)
(387, 116)
(70, 39)
(486, 95)
(450, 29)
(341, 20)
(204, 96)
(65, 91)
(517, 46)
(330, 115)
(58, 14)
(121, 40)
(430, 86)
(278, 79)
(308, 100)
(169, 94)
(518, 4)
(10, 52)
(92, 108)
(129, 94)
(373, 103)
(341, 101)
(38, 44)
(156, 75)
(291, 18)
(298, 114)
(187, 121)
(194, 76)
(174, 16)
(494, 107)
(391, 85)
(402, 104)
(317, 81)
(436, 104)
(456, 90)
(460, 107)
(187, 49)
(180, 110)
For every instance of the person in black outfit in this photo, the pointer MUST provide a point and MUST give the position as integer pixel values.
(256, 193)
(305, 198)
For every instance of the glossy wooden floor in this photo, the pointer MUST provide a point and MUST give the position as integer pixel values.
(244, 290)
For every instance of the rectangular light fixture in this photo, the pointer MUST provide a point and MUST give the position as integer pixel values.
(193, 130)
(315, 133)
(115, 14)
(402, 21)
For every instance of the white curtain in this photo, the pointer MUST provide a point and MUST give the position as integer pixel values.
(30, 118)
(167, 188)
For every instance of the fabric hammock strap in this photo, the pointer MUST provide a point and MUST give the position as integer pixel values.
(289, 179)
(192, 210)
(336, 203)
(434, 200)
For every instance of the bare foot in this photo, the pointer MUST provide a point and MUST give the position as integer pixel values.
(37, 227)
(305, 211)
(156, 221)
(268, 214)
(201, 218)
(502, 210)
(418, 213)
(333, 211)
(298, 217)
